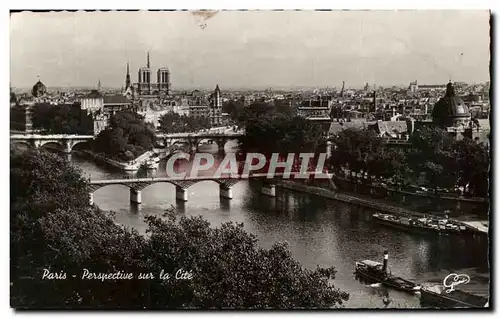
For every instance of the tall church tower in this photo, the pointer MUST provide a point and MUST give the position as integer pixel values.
(145, 79)
(129, 90)
(216, 109)
(127, 78)
(163, 80)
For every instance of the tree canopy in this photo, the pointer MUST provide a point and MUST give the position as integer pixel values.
(446, 162)
(127, 137)
(174, 123)
(53, 227)
(269, 131)
(62, 119)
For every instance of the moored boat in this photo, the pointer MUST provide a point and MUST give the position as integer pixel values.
(421, 225)
(378, 273)
(152, 163)
(437, 296)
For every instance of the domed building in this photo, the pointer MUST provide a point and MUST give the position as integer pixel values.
(450, 110)
(39, 89)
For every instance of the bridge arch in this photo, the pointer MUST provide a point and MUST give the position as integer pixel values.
(199, 141)
(80, 144)
(180, 143)
(22, 144)
(50, 144)
(228, 139)
(145, 186)
(96, 187)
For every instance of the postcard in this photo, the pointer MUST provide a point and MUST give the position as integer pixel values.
(218, 159)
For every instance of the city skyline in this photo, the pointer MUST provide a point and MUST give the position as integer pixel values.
(251, 49)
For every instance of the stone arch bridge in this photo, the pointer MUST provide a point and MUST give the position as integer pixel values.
(193, 140)
(65, 143)
(136, 185)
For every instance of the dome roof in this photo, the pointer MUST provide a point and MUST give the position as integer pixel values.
(39, 89)
(449, 107)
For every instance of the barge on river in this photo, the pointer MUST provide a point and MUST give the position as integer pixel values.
(422, 225)
(375, 272)
(439, 297)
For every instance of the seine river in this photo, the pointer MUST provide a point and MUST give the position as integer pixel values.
(319, 232)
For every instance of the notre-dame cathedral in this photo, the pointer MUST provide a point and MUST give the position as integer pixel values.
(144, 86)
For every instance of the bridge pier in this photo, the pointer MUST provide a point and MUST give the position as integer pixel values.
(135, 196)
(225, 192)
(181, 194)
(220, 145)
(328, 149)
(67, 147)
(268, 189)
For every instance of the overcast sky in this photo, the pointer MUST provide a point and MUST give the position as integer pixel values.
(251, 49)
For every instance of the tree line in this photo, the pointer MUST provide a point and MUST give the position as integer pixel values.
(126, 137)
(174, 123)
(434, 158)
(52, 227)
(62, 119)
(442, 161)
(272, 131)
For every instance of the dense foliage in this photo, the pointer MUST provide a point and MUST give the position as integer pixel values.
(62, 119)
(126, 137)
(445, 162)
(53, 227)
(270, 131)
(233, 108)
(175, 123)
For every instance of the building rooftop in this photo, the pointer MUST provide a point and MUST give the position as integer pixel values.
(336, 127)
(116, 99)
(94, 94)
(390, 128)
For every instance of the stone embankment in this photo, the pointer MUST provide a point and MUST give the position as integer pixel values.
(132, 165)
(371, 203)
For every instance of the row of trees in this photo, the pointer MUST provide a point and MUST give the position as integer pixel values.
(126, 137)
(445, 162)
(62, 119)
(52, 227)
(270, 131)
(174, 123)
(237, 110)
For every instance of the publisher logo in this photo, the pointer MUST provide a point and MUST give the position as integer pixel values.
(453, 280)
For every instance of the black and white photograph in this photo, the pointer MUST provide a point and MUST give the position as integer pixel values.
(250, 159)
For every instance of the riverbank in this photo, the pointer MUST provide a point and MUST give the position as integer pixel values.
(371, 203)
(425, 203)
(133, 165)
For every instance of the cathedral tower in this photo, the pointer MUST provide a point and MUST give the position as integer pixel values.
(127, 78)
(145, 79)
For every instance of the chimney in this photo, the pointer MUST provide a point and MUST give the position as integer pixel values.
(426, 108)
(386, 259)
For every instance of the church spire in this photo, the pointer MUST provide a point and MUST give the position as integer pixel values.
(148, 61)
(127, 78)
